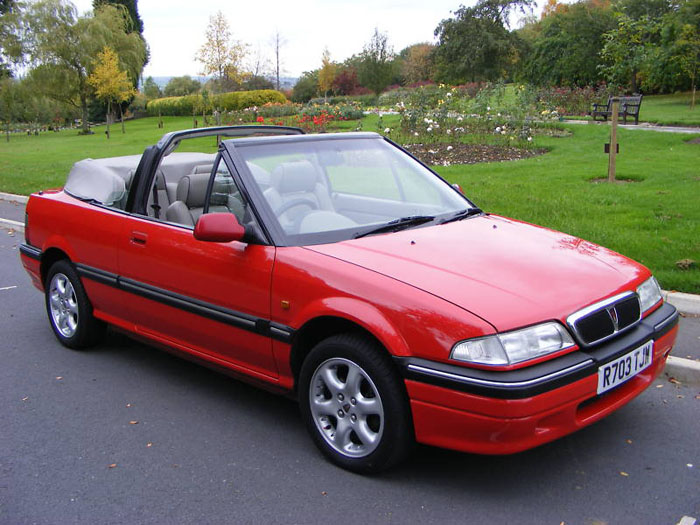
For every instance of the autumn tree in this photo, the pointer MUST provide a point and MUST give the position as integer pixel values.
(376, 64)
(64, 47)
(326, 75)
(220, 55)
(417, 63)
(111, 84)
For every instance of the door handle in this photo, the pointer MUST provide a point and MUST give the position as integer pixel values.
(138, 238)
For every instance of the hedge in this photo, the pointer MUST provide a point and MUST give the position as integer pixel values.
(235, 100)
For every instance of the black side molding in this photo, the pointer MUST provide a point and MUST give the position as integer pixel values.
(241, 320)
(30, 251)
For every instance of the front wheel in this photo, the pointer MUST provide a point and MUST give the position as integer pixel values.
(354, 404)
(68, 308)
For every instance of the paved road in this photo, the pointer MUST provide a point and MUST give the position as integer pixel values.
(224, 452)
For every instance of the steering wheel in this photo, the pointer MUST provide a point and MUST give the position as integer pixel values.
(301, 201)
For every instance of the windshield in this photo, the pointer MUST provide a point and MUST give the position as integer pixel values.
(330, 190)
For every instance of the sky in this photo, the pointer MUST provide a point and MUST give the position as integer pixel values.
(174, 29)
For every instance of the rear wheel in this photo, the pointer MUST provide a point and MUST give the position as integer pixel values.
(68, 308)
(354, 404)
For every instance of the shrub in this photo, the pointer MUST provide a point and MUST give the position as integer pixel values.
(233, 101)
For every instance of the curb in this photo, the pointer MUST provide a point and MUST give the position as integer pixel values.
(685, 302)
(13, 225)
(11, 197)
(686, 371)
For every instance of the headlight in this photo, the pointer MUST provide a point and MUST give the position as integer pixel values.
(514, 347)
(649, 294)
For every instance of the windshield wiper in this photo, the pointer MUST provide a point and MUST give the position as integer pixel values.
(397, 224)
(462, 214)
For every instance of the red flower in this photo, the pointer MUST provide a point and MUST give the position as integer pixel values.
(260, 119)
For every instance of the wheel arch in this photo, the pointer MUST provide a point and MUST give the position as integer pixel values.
(366, 320)
(49, 258)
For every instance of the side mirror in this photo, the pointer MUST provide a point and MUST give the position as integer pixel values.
(458, 188)
(218, 227)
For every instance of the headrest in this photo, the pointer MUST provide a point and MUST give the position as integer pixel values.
(160, 180)
(289, 177)
(203, 168)
(192, 190)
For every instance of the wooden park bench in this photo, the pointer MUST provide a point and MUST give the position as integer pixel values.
(629, 107)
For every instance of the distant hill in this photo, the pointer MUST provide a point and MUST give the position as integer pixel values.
(285, 82)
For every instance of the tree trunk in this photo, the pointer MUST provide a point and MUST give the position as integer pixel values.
(633, 82)
(84, 111)
(121, 117)
(692, 98)
(109, 111)
(7, 129)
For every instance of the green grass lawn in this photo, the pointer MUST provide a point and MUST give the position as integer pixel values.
(655, 220)
(670, 109)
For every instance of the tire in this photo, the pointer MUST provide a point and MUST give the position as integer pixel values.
(354, 404)
(69, 309)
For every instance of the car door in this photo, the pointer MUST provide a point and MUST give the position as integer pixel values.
(209, 299)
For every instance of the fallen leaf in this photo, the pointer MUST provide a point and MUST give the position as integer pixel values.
(58, 378)
(133, 422)
(149, 445)
(622, 473)
(680, 396)
(128, 405)
(690, 465)
(629, 441)
(113, 465)
(697, 397)
(674, 381)
(25, 398)
(659, 386)
(324, 493)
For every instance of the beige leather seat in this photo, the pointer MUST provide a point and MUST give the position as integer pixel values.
(190, 197)
(297, 182)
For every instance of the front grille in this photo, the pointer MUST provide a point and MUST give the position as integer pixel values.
(605, 319)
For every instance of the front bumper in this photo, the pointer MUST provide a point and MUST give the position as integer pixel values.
(491, 412)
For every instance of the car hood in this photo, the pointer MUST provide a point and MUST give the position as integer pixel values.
(507, 272)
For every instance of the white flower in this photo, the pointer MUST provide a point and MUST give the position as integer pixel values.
(459, 119)
(415, 133)
(529, 139)
(448, 94)
(449, 131)
(431, 152)
(387, 130)
(437, 125)
(488, 108)
(429, 129)
(503, 132)
(449, 148)
(498, 129)
(498, 114)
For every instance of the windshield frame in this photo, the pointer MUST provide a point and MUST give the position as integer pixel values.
(277, 234)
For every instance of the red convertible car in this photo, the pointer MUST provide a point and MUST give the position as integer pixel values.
(339, 269)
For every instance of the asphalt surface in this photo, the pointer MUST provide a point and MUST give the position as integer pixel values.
(11, 210)
(129, 434)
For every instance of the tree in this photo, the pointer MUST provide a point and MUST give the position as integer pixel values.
(10, 103)
(181, 86)
(12, 48)
(136, 24)
(417, 63)
(220, 55)
(112, 85)
(64, 47)
(376, 69)
(151, 89)
(345, 82)
(131, 6)
(326, 74)
(565, 45)
(278, 42)
(475, 44)
(306, 87)
(627, 48)
(687, 53)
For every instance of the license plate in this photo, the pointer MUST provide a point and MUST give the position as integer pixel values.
(621, 369)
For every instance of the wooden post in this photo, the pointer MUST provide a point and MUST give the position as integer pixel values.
(613, 139)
